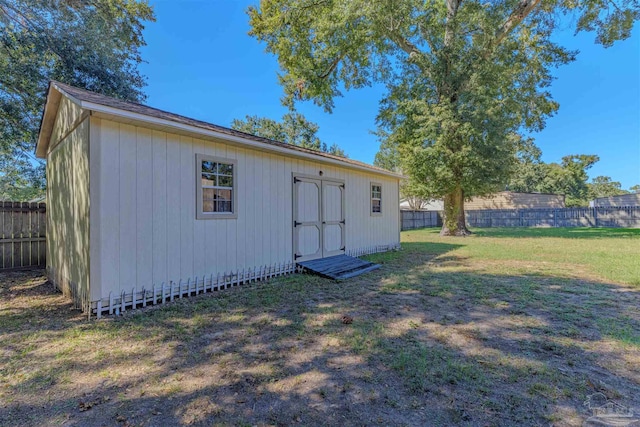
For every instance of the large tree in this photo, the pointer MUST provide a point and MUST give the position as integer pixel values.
(92, 44)
(463, 77)
(293, 129)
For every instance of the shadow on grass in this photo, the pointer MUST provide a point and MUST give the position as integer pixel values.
(570, 233)
(29, 302)
(428, 346)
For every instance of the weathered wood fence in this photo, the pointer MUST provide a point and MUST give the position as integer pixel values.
(627, 217)
(22, 235)
(420, 219)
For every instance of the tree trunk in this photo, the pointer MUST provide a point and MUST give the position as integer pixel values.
(454, 223)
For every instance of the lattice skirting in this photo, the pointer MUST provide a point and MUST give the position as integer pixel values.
(167, 292)
(368, 250)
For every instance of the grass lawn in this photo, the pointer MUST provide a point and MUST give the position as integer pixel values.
(506, 327)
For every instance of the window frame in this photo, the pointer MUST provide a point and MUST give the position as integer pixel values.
(371, 198)
(200, 214)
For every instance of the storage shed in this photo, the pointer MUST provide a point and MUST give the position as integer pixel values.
(146, 205)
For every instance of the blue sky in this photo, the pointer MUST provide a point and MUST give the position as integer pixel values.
(201, 63)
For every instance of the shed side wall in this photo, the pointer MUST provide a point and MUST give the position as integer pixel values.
(69, 115)
(68, 206)
(145, 206)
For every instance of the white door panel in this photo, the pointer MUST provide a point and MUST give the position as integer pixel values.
(309, 240)
(309, 201)
(332, 202)
(318, 218)
(332, 218)
(307, 224)
(332, 238)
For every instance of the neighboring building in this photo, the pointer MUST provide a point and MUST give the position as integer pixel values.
(511, 200)
(429, 205)
(139, 197)
(39, 199)
(623, 200)
(501, 200)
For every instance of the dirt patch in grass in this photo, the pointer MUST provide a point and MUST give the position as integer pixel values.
(436, 339)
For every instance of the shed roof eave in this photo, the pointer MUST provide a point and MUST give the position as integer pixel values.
(128, 115)
(47, 121)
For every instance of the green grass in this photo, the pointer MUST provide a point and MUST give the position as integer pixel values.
(505, 327)
(609, 253)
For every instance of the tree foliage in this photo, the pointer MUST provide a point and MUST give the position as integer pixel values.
(410, 191)
(388, 157)
(529, 170)
(293, 129)
(91, 44)
(604, 186)
(463, 77)
(569, 177)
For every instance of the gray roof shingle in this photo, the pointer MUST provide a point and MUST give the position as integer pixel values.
(108, 101)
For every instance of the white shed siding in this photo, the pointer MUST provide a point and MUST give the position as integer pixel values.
(127, 202)
(105, 202)
(144, 200)
(159, 200)
(173, 230)
(147, 221)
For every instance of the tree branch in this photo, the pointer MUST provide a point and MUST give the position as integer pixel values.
(523, 10)
(615, 5)
(32, 26)
(452, 11)
(449, 36)
(404, 44)
(426, 38)
(332, 67)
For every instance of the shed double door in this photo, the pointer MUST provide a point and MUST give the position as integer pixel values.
(318, 218)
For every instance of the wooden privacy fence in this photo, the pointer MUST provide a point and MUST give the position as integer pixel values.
(626, 217)
(22, 235)
(420, 219)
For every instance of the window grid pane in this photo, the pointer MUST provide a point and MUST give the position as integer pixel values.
(225, 181)
(217, 187)
(376, 199)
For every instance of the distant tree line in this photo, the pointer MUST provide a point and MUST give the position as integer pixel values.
(531, 175)
(569, 177)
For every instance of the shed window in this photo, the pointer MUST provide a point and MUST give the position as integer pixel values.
(376, 199)
(215, 179)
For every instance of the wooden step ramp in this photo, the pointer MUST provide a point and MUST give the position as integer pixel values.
(339, 267)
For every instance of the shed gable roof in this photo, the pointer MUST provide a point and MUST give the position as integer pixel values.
(105, 104)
